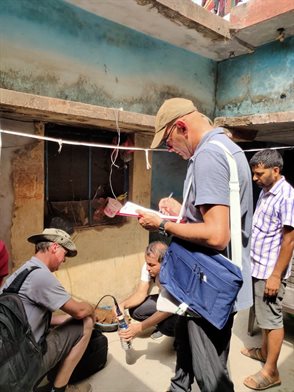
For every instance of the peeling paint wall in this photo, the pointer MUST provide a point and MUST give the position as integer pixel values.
(261, 82)
(109, 258)
(21, 189)
(58, 50)
(55, 49)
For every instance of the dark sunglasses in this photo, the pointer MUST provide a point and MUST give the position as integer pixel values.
(165, 140)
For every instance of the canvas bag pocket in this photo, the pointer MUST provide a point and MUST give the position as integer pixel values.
(206, 281)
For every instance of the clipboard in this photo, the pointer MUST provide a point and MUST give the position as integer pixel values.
(130, 209)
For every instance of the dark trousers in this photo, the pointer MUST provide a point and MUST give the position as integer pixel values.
(202, 352)
(147, 309)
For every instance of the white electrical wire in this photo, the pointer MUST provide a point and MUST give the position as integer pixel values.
(114, 153)
(60, 142)
(75, 143)
(270, 148)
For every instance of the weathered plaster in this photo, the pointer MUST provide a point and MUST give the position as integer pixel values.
(21, 190)
(261, 82)
(109, 258)
(58, 50)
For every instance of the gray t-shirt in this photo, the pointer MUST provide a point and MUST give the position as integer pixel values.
(210, 174)
(41, 293)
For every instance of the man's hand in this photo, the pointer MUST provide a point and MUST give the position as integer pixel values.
(169, 206)
(132, 331)
(272, 286)
(121, 308)
(149, 221)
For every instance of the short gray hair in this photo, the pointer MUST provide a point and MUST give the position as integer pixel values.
(156, 248)
(43, 246)
(268, 158)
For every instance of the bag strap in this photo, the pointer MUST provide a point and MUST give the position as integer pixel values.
(235, 210)
(235, 207)
(16, 284)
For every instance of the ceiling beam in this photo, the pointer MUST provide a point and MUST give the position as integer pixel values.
(22, 106)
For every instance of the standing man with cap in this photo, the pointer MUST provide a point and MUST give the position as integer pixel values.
(202, 349)
(42, 294)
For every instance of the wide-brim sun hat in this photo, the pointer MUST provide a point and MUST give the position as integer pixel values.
(56, 235)
(169, 111)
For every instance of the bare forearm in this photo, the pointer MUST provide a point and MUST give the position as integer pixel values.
(137, 297)
(153, 320)
(78, 310)
(133, 300)
(198, 234)
(86, 310)
(274, 280)
(284, 258)
(213, 232)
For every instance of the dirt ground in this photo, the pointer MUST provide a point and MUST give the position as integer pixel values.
(151, 363)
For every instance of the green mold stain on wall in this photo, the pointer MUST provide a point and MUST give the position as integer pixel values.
(58, 50)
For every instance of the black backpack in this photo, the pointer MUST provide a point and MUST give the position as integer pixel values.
(20, 355)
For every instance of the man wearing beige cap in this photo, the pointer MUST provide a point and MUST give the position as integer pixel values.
(42, 294)
(202, 349)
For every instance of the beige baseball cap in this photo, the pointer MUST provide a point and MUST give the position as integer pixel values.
(169, 111)
(56, 235)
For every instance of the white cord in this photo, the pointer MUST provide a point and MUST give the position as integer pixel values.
(109, 146)
(60, 146)
(114, 154)
(148, 166)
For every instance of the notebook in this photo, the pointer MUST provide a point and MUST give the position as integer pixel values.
(130, 209)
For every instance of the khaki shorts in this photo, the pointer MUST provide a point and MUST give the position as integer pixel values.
(60, 341)
(268, 310)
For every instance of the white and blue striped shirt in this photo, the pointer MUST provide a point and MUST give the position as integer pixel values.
(274, 210)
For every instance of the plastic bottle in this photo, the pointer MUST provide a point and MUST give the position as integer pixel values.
(126, 345)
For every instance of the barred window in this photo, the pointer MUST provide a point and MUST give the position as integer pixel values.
(80, 179)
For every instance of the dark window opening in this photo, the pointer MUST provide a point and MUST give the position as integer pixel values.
(78, 180)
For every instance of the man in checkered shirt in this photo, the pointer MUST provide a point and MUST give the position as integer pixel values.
(272, 245)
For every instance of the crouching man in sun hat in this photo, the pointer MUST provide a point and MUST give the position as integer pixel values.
(41, 294)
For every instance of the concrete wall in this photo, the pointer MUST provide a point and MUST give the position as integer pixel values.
(261, 82)
(21, 188)
(55, 49)
(58, 50)
(109, 258)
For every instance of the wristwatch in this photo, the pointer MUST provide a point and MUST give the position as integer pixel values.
(161, 228)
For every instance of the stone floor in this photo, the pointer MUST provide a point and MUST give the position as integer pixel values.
(151, 363)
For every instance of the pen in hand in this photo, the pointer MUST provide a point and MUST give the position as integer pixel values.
(169, 197)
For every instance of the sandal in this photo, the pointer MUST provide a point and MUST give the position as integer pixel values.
(260, 381)
(253, 353)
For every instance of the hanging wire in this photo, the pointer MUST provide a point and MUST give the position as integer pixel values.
(148, 166)
(115, 152)
(84, 144)
(60, 146)
(270, 148)
(110, 146)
